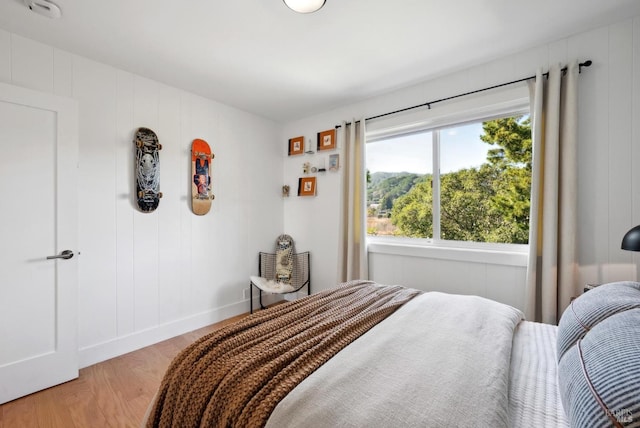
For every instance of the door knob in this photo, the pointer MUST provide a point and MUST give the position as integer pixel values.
(66, 254)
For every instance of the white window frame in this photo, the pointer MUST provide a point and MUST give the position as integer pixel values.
(512, 102)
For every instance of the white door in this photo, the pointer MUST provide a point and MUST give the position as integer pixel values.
(38, 218)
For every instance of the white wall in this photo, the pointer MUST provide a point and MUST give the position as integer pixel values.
(608, 194)
(145, 277)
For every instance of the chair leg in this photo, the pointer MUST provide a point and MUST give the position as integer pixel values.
(251, 297)
(261, 305)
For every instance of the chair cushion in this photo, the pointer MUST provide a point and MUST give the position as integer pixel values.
(271, 286)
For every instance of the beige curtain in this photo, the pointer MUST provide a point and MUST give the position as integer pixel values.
(352, 253)
(551, 272)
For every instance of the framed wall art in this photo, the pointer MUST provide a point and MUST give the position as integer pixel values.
(334, 162)
(307, 186)
(296, 146)
(327, 140)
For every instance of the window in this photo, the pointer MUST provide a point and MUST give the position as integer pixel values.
(462, 182)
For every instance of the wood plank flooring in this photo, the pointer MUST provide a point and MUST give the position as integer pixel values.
(114, 393)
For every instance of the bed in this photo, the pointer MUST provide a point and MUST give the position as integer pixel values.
(365, 354)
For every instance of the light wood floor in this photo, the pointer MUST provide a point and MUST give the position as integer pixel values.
(114, 393)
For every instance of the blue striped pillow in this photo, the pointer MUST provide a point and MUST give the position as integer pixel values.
(592, 307)
(599, 357)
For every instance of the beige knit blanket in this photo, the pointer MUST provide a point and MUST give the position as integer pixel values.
(235, 377)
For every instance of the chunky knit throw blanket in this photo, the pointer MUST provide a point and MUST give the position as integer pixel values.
(235, 377)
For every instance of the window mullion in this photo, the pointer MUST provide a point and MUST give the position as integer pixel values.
(435, 183)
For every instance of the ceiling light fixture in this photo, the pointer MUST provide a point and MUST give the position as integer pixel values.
(304, 6)
(44, 8)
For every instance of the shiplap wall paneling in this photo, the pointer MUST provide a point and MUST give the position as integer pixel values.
(186, 216)
(5, 57)
(229, 229)
(558, 53)
(451, 276)
(234, 146)
(62, 73)
(527, 63)
(32, 64)
(262, 188)
(593, 153)
(493, 73)
(125, 200)
(205, 238)
(145, 277)
(95, 89)
(172, 186)
(620, 166)
(146, 226)
(319, 224)
(503, 284)
(608, 196)
(635, 137)
(383, 269)
(498, 282)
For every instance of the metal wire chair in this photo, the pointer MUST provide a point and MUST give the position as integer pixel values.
(300, 276)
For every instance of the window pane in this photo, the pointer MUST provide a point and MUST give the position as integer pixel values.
(485, 181)
(462, 148)
(399, 186)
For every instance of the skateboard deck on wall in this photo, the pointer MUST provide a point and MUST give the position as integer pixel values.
(201, 190)
(147, 169)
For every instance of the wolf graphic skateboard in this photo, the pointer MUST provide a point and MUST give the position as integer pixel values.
(201, 159)
(147, 169)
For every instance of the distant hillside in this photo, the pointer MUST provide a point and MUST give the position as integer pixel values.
(377, 177)
(385, 187)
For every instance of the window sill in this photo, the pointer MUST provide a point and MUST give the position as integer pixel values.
(498, 254)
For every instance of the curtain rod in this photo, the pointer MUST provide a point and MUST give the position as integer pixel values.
(587, 63)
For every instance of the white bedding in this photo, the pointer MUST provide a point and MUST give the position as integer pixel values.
(448, 367)
(534, 398)
(419, 372)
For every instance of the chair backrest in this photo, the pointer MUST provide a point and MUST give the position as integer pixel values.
(300, 275)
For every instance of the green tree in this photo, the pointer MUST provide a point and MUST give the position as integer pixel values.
(465, 211)
(412, 212)
(512, 135)
(486, 204)
(512, 159)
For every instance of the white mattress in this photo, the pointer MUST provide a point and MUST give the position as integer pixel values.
(534, 398)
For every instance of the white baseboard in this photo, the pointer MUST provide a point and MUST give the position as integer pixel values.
(97, 353)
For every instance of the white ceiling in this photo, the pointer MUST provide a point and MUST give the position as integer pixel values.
(259, 56)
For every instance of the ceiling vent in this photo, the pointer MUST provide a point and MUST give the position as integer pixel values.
(44, 8)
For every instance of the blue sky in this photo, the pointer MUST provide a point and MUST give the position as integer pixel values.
(460, 147)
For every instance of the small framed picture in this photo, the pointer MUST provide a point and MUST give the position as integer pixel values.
(296, 146)
(334, 162)
(327, 140)
(307, 186)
